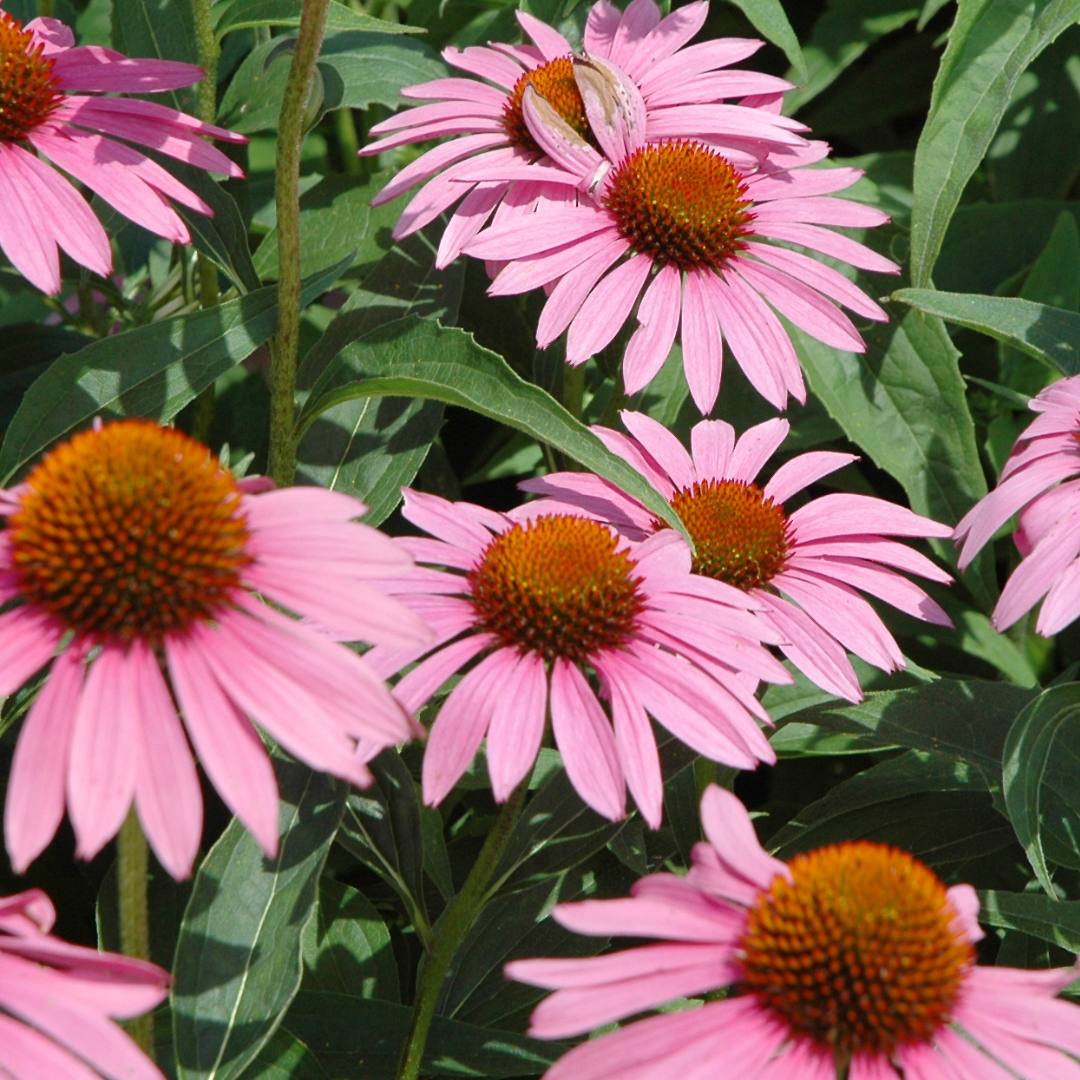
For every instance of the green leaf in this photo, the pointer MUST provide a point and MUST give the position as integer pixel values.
(238, 960)
(768, 19)
(1047, 333)
(346, 948)
(423, 359)
(1042, 782)
(245, 13)
(991, 44)
(160, 30)
(284, 1057)
(512, 927)
(357, 1038)
(371, 448)
(964, 719)
(929, 10)
(1036, 152)
(1057, 921)
(382, 828)
(840, 36)
(336, 219)
(357, 70)
(151, 371)
(904, 402)
(933, 806)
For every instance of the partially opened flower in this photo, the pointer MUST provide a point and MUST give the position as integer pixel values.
(46, 105)
(853, 960)
(805, 568)
(1036, 483)
(692, 238)
(682, 90)
(132, 554)
(59, 1003)
(544, 604)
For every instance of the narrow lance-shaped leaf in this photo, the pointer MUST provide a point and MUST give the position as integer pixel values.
(419, 358)
(151, 371)
(769, 19)
(1048, 333)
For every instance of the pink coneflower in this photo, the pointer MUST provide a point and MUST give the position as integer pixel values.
(682, 90)
(805, 568)
(44, 107)
(853, 960)
(681, 225)
(59, 1003)
(547, 602)
(133, 553)
(1035, 482)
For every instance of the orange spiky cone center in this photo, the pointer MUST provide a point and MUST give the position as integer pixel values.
(28, 88)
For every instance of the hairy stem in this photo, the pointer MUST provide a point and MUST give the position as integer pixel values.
(283, 346)
(132, 868)
(456, 922)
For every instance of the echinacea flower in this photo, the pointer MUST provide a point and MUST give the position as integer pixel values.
(132, 555)
(59, 1003)
(696, 237)
(1035, 483)
(682, 88)
(46, 105)
(853, 960)
(806, 569)
(546, 602)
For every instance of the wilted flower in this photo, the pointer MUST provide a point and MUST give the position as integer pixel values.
(45, 104)
(682, 91)
(60, 1002)
(805, 568)
(851, 960)
(1035, 482)
(549, 601)
(135, 554)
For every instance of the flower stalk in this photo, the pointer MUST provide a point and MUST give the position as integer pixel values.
(455, 923)
(132, 877)
(284, 344)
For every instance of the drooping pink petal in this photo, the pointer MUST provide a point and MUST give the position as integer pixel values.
(34, 805)
(703, 347)
(417, 688)
(658, 322)
(605, 309)
(828, 243)
(517, 726)
(32, 251)
(1062, 603)
(570, 293)
(584, 737)
(844, 515)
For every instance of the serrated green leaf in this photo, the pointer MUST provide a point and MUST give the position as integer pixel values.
(1042, 781)
(1057, 921)
(423, 359)
(1047, 333)
(991, 43)
(769, 19)
(246, 13)
(357, 1038)
(151, 371)
(904, 402)
(238, 961)
(346, 947)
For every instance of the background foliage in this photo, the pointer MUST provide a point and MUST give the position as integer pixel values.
(966, 119)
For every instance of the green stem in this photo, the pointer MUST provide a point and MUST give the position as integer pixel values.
(285, 343)
(348, 141)
(455, 923)
(132, 876)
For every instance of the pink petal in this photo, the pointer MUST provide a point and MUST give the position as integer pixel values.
(684, 66)
(884, 584)
(34, 806)
(712, 442)
(486, 63)
(454, 90)
(469, 218)
(103, 764)
(600, 27)
(542, 232)
(99, 70)
(662, 446)
(570, 293)
(1062, 603)
(26, 1054)
(875, 549)
(845, 515)
(670, 35)
(605, 309)
(584, 737)
(755, 446)
(228, 747)
(167, 793)
(801, 472)
(828, 243)
(431, 162)
(548, 40)
(613, 104)
(821, 210)
(728, 828)
(462, 723)
(32, 250)
(703, 347)
(27, 642)
(517, 726)
(658, 322)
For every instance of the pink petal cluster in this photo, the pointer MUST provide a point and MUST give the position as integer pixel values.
(104, 731)
(60, 1002)
(1037, 482)
(683, 90)
(1005, 1022)
(838, 544)
(692, 663)
(41, 210)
